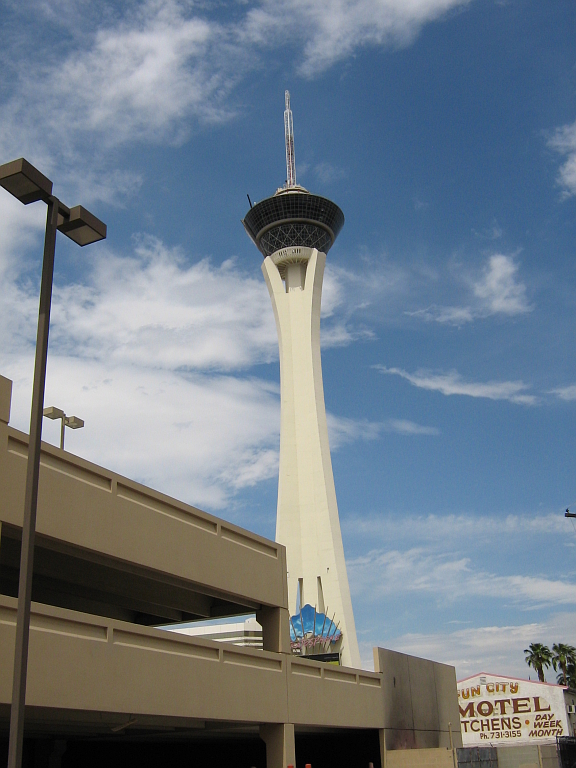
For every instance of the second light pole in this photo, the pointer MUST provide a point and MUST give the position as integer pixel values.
(67, 421)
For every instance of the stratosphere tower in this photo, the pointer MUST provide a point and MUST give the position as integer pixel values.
(294, 230)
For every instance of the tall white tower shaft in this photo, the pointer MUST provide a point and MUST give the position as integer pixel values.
(307, 522)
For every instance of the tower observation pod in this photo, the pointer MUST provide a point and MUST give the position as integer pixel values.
(294, 230)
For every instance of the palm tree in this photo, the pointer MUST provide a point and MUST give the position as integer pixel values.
(562, 656)
(538, 656)
(570, 674)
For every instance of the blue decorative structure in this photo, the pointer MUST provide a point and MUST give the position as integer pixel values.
(308, 628)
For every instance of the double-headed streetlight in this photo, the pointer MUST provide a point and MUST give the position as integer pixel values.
(67, 421)
(28, 185)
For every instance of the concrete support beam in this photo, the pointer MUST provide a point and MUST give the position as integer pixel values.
(5, 399)
(275, 624)
(280, 749)
(382, 740)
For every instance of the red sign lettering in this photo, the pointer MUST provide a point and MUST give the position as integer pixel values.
(521, 705)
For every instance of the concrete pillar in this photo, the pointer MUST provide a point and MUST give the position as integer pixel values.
(275, 624)
(382, 739)
(280, 749)
(57, 754)
(5, 399)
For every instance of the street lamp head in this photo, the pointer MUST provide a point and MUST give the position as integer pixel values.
(25, 182)
(28, 185)
(74, 422)
(83, 227)
(69, 421)
(53, 413)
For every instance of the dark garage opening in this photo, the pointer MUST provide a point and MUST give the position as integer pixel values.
(343, 749)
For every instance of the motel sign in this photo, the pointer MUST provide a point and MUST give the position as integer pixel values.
(496, 710)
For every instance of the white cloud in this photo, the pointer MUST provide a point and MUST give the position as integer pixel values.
(563, 141)
(463, 570)
(132, 79)
(139, 352)
(493, 232)
(406, 427)
(343, 430)
(155, 309)
(20, 227)
(440, 314)
(496, 291)
(452, 383)
(450, 529)
(147, 350)
(376, 288)
(147, 72)
(391, 572)
(199, 437)
(142, 76)
(332, 29)
(328, 173)
(496, 649)
(152, 72)
(565, 393)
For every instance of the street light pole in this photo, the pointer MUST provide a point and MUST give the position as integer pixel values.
(28, 185)
(31, 498)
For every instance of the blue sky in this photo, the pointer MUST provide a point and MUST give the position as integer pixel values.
(446, 132)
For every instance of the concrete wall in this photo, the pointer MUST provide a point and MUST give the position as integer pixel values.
(529, 756)
(108, 519)
(570, 699)
(549, 756)
(322, 695)
(421, 758)
(88, 664)
(521, 756)
(420, 700)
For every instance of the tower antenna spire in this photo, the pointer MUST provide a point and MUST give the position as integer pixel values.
(289, 136)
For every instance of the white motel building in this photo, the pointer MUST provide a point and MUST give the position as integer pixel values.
(496, 710)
